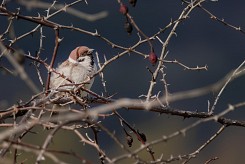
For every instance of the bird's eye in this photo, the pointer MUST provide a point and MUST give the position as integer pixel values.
(81, 60)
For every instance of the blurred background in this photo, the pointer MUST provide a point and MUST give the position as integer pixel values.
(199, 41)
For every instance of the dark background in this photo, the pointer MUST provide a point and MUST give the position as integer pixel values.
(200, 41)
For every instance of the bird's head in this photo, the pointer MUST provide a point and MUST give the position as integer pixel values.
(83, 56)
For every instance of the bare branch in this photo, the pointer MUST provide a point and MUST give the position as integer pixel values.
(30, 4)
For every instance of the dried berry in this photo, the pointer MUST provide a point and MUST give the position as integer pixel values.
(123, 9)
(129, 140)
(142, 136)
(128, 27)
(153, 58)
(133, 2)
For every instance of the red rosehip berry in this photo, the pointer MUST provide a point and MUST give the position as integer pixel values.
(123, 9)
(153, 58)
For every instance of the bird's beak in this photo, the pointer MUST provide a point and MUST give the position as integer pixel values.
(90, 51)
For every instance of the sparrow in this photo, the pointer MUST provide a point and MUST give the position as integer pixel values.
(76, 69)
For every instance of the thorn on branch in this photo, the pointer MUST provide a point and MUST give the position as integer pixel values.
(60, 39)
(149, 70)
(64, 8)
(150, 150)
(96, 33)
(211, 160)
